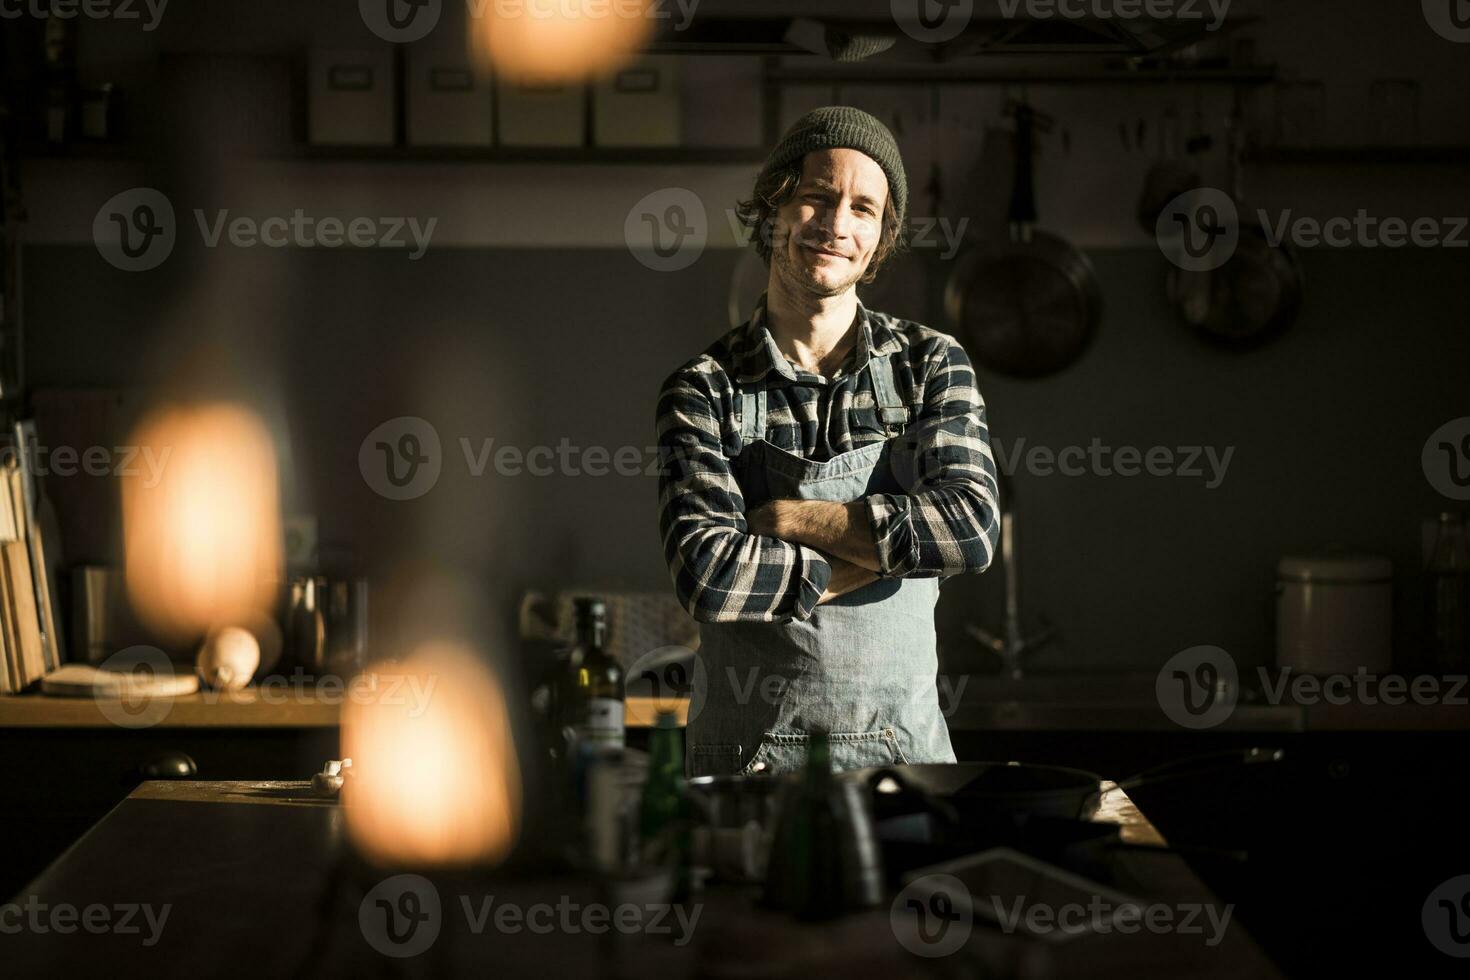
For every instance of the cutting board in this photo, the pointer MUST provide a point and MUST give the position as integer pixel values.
(86, 681)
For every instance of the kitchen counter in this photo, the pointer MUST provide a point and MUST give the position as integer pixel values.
(256, 881)
(252, 707)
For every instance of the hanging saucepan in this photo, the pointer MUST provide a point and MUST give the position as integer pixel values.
(1026, 305)
(1240, 293)
(1170, 175)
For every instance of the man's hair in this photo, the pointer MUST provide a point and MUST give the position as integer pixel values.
(774, 188)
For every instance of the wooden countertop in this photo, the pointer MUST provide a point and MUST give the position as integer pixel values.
(253, 707)
(254, 877)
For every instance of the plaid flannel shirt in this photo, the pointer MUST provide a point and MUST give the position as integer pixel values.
(947, 523)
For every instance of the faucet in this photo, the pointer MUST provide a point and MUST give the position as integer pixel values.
(1013, 642)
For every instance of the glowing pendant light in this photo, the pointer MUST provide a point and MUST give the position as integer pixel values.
(548, 41)
(202, 527)
(435, 780)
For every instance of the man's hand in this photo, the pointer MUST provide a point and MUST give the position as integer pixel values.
(840, 530)
(846, 577)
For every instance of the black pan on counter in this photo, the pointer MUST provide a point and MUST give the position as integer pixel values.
(969, 790)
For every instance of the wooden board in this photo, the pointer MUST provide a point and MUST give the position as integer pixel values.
(20, 606)
(86, 681)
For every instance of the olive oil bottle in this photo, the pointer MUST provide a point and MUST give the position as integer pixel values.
(594, 683)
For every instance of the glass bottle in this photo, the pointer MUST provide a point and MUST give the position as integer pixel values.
(663, 811)
(595, 682)
(1449, 595)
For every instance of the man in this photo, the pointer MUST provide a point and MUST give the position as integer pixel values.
(824, 466)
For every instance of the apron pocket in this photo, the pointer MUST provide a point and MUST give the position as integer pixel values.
(781, 752)
(713, 760)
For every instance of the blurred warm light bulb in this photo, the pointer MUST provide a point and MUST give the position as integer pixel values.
(435, 780)
(202, 533)
(551, 41)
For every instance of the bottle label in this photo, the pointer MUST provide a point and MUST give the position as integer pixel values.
(603, 721)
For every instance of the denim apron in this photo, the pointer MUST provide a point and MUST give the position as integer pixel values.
(862, 668)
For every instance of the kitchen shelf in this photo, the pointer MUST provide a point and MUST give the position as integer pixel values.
(680, 155)
(898, 74)
(252, 707)
(1362, 155)
(249, 708)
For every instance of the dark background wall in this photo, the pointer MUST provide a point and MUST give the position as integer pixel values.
(530, 347)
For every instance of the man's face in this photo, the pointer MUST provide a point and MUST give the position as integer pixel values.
(827, 232)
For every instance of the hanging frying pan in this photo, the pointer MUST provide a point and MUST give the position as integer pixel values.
(1256, 293)
(1026, 305)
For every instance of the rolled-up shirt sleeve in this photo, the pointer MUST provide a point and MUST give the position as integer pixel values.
(721, 572)
(949, 521)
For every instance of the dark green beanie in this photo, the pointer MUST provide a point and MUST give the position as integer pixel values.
(843, 127)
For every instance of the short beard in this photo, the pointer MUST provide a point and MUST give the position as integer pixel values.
(798, 277)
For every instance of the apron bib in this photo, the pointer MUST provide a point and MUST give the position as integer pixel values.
(862, 668)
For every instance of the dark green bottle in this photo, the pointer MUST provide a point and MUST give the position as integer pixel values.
(663, 812)
(813, 859)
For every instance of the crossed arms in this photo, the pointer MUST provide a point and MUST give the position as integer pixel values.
(777, 562)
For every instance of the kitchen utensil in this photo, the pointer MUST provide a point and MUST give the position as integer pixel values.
(1170, 175)
(734, 818)
(1334, 614)
(847, 869)
(1448, 594)
(326, 624)
(1255, 293)
(980, 789)
(102, 619)
(169, 765)
(1026, 305)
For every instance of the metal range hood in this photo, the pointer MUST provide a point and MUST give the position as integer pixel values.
(930, 30)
